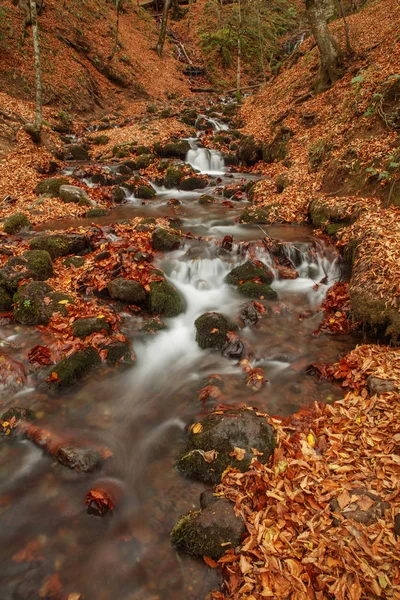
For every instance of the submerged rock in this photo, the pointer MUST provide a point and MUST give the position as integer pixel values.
(260, 291)
(163, 240)
(249, 314)
(211, 329)
(127, 290)
(209, 532)
(193, 183)
(16, 223)
(82, 460)
(164, 300)
(119, 353)
(231, 437)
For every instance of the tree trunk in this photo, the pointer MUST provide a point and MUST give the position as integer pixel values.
(318, 12)
(164, 19)
(38, 71)
(346, 29)
(115, 47)
(239, 51)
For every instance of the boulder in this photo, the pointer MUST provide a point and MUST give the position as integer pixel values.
(209, 532)
(193, 183)
(172, 178)
(277, 149)
(35, 303)
(163, 240)
(73, 368)
(211, 330)
(127, 290)
(205, 199)
(16, 223)
(51, 186)
(249, 271)
(73, 193)
(74, 261)
(60, 244)
(119, 353)
(380, 386)
(229, 439)
(96, 212)
(77, 152)
(6, 301)
(144, 160)
(145, 192)
(164, 300)
(250, 151)
(83, 327)
(101, 140)
(118, 194)
(177, 149)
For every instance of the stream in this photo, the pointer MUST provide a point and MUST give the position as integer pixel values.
(141, 414)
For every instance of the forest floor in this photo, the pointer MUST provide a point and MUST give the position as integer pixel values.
(330, 159)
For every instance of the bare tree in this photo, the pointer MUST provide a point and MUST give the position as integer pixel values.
(349, 49)
(163, 29)
(239, 50)
(331, 67)
(115, 46)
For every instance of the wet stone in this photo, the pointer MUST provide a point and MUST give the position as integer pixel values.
(209, 532)
(249, 314)
(83, 460)
(127, 290)
(234, 350)
(83, 327)
(380, 386)
(162, 240)
(211, 330)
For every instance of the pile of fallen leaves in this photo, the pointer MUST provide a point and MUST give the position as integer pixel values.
(336, 307)
(320, 517)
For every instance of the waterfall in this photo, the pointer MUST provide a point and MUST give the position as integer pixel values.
(205, 160)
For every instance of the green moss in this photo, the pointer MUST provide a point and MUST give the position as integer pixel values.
(39, 264)
(142, 150)
(6, 302)
(164, 300)
(145, 192)
(250, 151)
(254, 290)
(78, 152)
(16, 222)
(101, 140)
(163, 240)
(51, 186)
(118, 353)
(249, 271)
(211, 329)
(83, 327)
(277, 150)
(205, 199)
(59, 245)
(153, 325)
(96, 212)
(172, 178)
(177, 149)
(74, 367)
(75, 261)
(193, 183)
(144, 160)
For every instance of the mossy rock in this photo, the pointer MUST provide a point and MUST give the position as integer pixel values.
(154, 325)
(142, 150)
(10, 277)
(19, 413)
(16, 223)
(118, 194)
(127, 290)
(96, 212)
(119, 353)
(83, 327)
(144, 160)
(163, 240)
(261, 215)
(60, 244)
(250, 151)
(282, 182)
(51, 186)
(71, 369)
(205, 199)
(193, 183)
(101, 140)
(258, 291)
(78, 152)
(374, 313)
(209, 532)
(39, 264)
(164, 300)
(177, 149)
(211, 329)
(248, 271)
(31, 308)
(173, 177)
(145, 192)
(277, 150)
(6, 302)
(231, 160)
(73, 193)
(238, 428)
(74, 261)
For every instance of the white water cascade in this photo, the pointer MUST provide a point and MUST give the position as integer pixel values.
(205, 160)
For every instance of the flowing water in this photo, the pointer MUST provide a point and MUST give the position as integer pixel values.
(141, 414)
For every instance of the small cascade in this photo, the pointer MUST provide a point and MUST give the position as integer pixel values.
(216, 125)
(205, 160)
